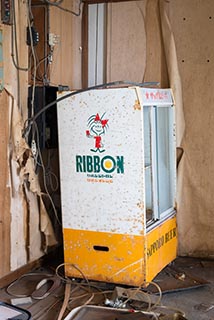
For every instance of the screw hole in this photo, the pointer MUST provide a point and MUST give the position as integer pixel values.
(210, 18)
(182, 60)
(208, 60)
(184, 19)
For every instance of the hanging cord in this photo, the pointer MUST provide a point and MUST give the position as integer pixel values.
(34, 59)
(15, 43)
(41, 77)
(44, 174)
(52, 179)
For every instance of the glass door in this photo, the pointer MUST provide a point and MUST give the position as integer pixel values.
(159, 158)
(165, 144)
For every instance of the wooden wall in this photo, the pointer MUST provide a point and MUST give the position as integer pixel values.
(67, 57)
(12, 244)
(21, 225)
(4, 189)
(126, 41)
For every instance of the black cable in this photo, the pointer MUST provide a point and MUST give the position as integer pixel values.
(31, 120)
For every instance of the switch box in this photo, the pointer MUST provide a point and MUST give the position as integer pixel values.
(6, 12)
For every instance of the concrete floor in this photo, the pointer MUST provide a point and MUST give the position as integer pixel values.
(198, 302)
(195, 302)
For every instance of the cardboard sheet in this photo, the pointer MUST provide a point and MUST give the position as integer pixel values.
(192, 25)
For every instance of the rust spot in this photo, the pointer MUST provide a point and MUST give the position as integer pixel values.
(137, 105)
(140, 205)
(118, 259)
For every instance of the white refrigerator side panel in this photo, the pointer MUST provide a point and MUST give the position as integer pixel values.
(101, 162)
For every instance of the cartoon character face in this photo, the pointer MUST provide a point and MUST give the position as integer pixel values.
(97, 125)
(97, 128)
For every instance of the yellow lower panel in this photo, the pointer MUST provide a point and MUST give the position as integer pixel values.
(161, 247)
(104, 256)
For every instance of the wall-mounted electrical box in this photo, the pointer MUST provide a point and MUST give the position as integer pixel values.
(118, 176)
(47, 121)
(6, 12)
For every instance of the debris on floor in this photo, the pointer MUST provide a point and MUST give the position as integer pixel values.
(9, 312)
(204, 307)
(173, 295)
(173, 279)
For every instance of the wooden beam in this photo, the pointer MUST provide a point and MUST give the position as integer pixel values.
(4, 189)
(49, 261)
(12, 276)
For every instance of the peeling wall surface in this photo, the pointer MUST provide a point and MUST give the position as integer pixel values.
(21, 226)
(13, 102)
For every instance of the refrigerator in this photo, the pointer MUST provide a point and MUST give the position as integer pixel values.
(118, 183)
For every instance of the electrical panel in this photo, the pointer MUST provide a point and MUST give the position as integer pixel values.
(35, 36)
(6, 12)
(47, 121)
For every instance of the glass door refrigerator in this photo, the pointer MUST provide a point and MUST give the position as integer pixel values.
(118, 182)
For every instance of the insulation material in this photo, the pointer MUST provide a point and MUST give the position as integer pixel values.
(34, 239)
(46, 227)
